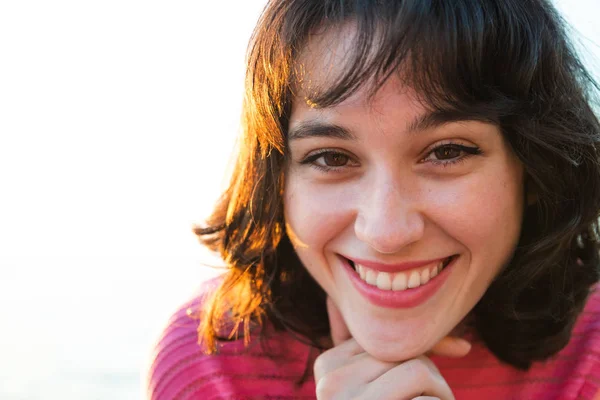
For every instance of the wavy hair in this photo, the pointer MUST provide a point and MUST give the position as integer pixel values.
(507, 62)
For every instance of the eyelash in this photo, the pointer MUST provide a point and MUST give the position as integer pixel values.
(467, 150)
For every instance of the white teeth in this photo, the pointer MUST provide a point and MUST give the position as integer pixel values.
(434, 272)
(361, 271)
(425, 276)
(414, 280)
(384, 281)
(399, 282)
(440, 266)
(371, 277)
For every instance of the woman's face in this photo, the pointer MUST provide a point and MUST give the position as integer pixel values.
(375, 187)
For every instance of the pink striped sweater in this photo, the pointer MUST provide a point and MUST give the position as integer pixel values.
(179, 370)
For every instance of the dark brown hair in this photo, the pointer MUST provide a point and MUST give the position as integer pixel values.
(507, 62)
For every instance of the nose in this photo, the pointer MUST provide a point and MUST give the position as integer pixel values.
(388, 218)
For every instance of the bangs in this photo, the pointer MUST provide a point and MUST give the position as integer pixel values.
(479, 58)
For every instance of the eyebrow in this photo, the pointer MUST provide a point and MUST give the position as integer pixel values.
(435, 119)
(319, 129)
(429, 120)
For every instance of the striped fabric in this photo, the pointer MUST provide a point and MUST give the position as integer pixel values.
(179, 370)
(574, 373)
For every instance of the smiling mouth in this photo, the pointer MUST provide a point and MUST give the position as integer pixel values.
(399, 281)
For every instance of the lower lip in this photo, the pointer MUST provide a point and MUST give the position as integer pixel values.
(407, 298)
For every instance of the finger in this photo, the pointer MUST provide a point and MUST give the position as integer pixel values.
(348, 379)
(338, 327)
(413, 378)
(336, 358)
(366, 368)
(451, 347)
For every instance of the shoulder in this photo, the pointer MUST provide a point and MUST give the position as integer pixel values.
(573, 373)
(585, 346)
(177, 358)
(586, 333)
(180, 369)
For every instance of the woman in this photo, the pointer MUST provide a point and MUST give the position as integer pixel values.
(413, 212)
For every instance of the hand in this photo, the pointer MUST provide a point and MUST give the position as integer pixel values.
(348, 372)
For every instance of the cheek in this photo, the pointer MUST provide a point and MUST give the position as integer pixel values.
(499, 210)
(314, 215)
(484, 214)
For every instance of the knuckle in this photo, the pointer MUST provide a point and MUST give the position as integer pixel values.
(418, 370)
(320, 366)
(327, 386)
(323, 392)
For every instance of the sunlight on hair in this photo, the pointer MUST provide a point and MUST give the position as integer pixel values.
(118, 123)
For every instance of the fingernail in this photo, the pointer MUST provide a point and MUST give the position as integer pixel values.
(465, 345)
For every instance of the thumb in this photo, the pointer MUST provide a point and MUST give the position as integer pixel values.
(337, 325)
(451, 346)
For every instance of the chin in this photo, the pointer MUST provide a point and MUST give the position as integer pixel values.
(395, 351)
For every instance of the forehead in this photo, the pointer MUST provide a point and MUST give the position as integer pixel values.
(326, 62)
(326, 58)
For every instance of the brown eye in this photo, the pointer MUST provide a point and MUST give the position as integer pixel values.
(450, 153)
(331, 161)
(447, 152)
(335, 159)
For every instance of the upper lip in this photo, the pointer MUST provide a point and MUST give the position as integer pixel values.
(395, 267)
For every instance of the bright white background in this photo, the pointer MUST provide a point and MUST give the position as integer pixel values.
(117, 121)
